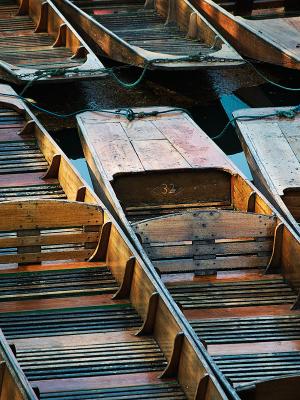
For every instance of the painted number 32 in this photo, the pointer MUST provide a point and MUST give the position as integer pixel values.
(168, 188)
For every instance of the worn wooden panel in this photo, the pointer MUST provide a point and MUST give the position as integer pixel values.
(158, 155)
(175, 188)
(273, 146)
(47, 214)
(186, 250)
(192, 143)
(205, 225)
(213, 265)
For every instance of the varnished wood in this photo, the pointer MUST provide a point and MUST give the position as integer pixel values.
(152, 36)
(149, 321)
(172, 367)
(125, 287)
(36, 37)
(273, 40)
(274, 163)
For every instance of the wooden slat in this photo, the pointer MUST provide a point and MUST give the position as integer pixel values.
(205, 225)
(48, 214)
(198, 248)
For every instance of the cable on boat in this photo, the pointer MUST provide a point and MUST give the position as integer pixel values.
(291, 113)
(131, 85)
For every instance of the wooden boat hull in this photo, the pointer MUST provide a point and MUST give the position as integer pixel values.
(231, 270)
(82, 311)
(248, 39)
(124, 50)
(38, 45)
(270, 145)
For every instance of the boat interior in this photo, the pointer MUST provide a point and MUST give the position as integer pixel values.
(32, 166)
(34, 36)
(81, 317)
(235, 276)
(257, 9)
(162, 26)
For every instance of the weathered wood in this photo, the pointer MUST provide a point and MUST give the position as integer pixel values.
(259, 38)
(159, 31)
(125, 288)
(81, 192)
(148, 325)
(202, 388)
(273, 153)
(101, 249)
(171, 370)
(28, 128)
(34, 35)
(275, 261)
(53, 169)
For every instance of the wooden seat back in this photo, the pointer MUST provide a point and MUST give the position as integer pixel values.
(208, 241)
(48, 230)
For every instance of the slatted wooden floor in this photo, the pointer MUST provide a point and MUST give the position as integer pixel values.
(22, 164)
(143, 28)
(246, 321)
(74, 341)
(22, 47)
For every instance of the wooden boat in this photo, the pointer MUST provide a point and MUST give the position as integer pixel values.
(81, 314)
(262, 30)
(271, 148)
(160, 34)
(227, 258)
(38, 44)
(166, 160)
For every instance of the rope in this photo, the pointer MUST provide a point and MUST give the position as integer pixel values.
(280, 113)
(131, 85)
(128, 113)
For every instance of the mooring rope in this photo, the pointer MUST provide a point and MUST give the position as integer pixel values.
(290, 114)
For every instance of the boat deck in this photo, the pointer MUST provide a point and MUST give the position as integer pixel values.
(256, 9)
(144, 28)
(21, 46)
(22, 164)
(162, 166)
(246, 321)
(272, 148)
(239, 304)
(44, 313)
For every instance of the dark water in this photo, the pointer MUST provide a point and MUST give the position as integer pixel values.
(211, 96)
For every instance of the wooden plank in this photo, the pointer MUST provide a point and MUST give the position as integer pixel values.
(141, 130)
(192, 143)
(284, 31)
(41, 214)
(115, 155)
(60, 303)
(211, 265)
(158, 154)
(198, 248)
(46, 256)
(50, 239)
(110, 381)
(205, 225)
(277, 161)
